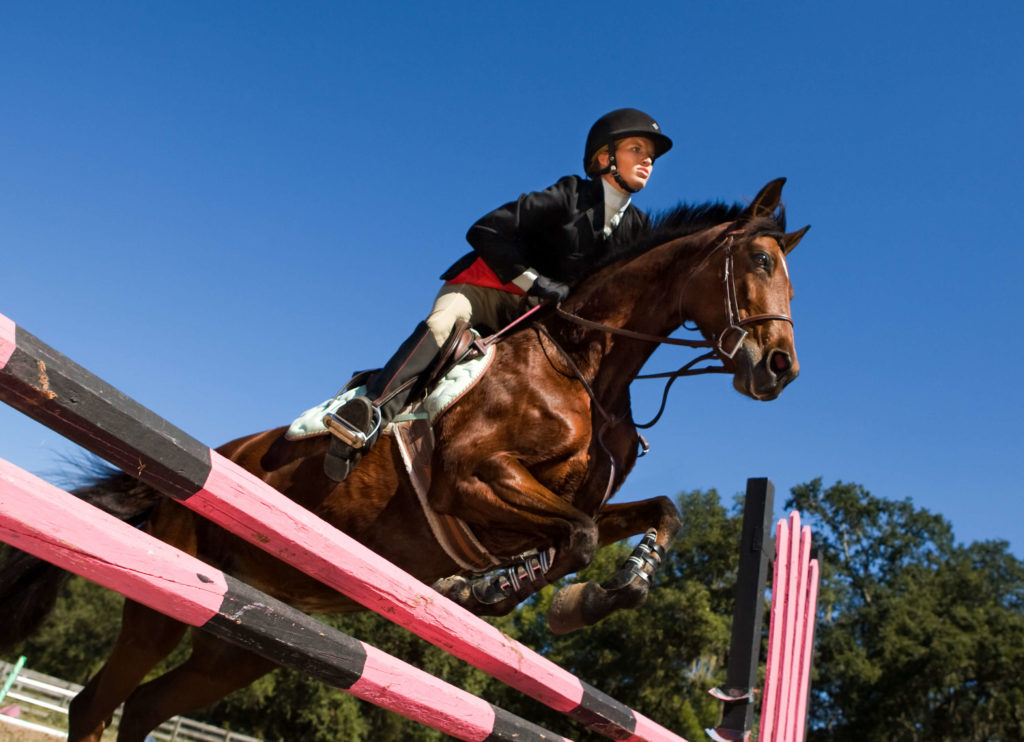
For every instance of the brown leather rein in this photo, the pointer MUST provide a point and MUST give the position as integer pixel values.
(734, 331)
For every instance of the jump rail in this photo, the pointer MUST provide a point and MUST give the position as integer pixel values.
(58, 527)
(47, 697)
(55, 391)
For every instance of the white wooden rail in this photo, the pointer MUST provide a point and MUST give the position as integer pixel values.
(43, 696)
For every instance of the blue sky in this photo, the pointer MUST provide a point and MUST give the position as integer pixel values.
(225, 208)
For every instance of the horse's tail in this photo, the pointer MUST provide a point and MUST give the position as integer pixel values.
(29, 586)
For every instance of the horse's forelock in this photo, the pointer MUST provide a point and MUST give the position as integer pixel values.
(774, 226)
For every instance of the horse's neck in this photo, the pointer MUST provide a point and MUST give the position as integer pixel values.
(643, 295)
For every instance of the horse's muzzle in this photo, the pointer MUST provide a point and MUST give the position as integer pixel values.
(765, 378)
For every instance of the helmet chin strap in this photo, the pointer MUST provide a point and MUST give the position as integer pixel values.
(613, 168)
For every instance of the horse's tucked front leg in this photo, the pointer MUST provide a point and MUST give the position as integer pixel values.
(529, 570)
(505, 498)
(586, 603)
(492, 594)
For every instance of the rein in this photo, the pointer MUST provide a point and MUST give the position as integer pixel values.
(718, 346)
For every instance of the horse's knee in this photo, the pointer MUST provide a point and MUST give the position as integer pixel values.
(667, 507)
(669, 520)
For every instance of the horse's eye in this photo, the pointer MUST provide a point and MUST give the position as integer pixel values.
(761, 259)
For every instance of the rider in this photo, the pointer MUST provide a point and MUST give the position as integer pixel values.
(537, 246)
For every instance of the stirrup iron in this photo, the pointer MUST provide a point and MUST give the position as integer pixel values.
(350, 435)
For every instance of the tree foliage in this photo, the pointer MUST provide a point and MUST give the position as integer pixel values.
(919, 638)
(74, 641)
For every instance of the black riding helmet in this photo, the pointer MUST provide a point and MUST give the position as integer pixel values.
(621, 124)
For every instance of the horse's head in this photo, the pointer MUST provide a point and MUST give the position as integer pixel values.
(740, 296)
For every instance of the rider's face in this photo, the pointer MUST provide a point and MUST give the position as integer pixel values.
(635, 160)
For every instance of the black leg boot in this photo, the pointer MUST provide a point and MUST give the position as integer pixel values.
(358, 423)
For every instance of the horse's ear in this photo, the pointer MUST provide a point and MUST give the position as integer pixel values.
(765, 202)
(791, 240)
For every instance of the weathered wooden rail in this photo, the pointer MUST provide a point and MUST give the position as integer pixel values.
(55, 391)
(43, 520)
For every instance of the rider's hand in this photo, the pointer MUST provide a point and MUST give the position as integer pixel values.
(547, 290)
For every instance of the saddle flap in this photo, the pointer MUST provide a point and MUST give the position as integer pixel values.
(415, 439)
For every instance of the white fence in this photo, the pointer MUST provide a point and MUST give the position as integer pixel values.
(43, 698)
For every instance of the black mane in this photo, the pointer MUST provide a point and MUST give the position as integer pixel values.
(686, 219)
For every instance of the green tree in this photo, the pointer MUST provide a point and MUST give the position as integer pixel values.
(77, 636)
(918, 638)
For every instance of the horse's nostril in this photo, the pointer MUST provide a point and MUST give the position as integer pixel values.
(780, 362)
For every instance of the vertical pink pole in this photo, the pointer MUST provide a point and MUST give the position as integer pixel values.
(807, 650)
(802, 548)
(771, 680)
(791, 634)
(788, 624)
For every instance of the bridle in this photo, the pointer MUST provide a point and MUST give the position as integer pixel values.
(723, 345)
(719, 345)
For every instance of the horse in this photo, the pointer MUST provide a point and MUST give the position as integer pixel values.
(526, 460)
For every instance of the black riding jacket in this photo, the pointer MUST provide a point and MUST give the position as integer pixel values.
(559, 232)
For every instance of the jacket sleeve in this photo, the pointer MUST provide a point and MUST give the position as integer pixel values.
(502, 238)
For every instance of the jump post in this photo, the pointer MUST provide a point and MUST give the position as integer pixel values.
(56, 392)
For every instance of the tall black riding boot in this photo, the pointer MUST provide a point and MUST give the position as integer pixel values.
(357, 424)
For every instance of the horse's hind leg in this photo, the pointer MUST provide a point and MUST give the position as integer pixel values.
(146, 638)
(214, 669)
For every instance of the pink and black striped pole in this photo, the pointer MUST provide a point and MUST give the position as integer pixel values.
(53, 390)
(43, 520)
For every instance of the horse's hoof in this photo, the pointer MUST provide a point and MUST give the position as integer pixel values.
(456, 588)
(566, 612)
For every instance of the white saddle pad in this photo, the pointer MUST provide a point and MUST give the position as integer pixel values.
(458, 379)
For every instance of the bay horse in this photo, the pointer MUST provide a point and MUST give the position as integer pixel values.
(527, 459)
